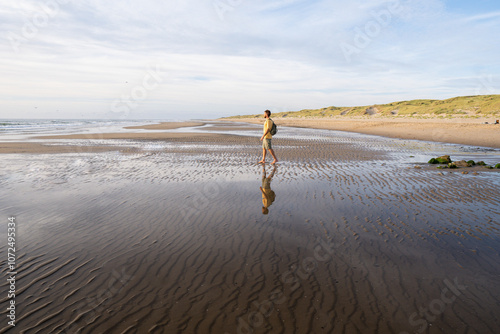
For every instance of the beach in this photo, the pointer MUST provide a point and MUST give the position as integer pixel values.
(458, 130)
(159, 228)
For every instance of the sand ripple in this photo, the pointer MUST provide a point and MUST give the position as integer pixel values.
(173, 240)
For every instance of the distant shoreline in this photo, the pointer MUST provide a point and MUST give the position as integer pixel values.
(42, 147)
(458, 131)
(465, 131)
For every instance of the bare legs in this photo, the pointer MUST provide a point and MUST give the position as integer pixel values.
(274, 156)
(263, 160)
(264, 152)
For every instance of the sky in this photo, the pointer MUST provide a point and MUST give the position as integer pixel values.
(194, 59)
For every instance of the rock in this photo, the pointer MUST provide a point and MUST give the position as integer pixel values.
(497, 166)
(418, 167)
(475, 173)
(462, 163)
(465, 172)
(459, 164)
(371, 111)
(444, 159)
(395, 112)
(471, 162)
(481, 163)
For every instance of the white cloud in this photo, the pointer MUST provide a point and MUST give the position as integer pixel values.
(481, 17)
(285, 53)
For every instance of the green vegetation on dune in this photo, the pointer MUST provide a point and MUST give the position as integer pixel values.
(471, 106)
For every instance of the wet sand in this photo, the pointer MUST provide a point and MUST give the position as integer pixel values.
(166, 235)
(458, 130)
(40, 148)
(166, 125)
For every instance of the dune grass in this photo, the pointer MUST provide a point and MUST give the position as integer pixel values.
(464, 106)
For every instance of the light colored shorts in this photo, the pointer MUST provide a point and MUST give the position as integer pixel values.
(266, 143)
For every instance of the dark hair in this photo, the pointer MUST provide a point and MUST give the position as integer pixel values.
(268, 113)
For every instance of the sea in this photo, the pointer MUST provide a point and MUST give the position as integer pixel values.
(15, 129)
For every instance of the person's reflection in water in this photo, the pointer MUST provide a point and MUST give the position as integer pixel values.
(268, 195)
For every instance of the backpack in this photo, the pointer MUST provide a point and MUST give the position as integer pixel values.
(274, 129)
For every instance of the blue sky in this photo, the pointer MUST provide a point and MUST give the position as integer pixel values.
(204, 59)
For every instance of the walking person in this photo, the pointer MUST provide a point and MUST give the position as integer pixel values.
(266, 139)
